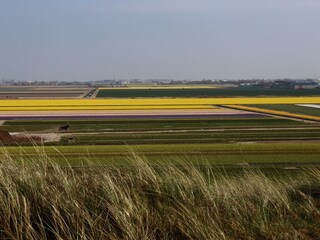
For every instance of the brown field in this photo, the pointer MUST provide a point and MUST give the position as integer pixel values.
(42, 92)
(123, 113)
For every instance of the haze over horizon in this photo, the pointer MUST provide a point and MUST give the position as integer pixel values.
(168, 39)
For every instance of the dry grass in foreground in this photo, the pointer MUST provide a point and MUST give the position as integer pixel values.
(41, 200)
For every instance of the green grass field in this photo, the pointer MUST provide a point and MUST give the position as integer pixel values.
(204, 92)
(145, 124)
(275, 153)
(196, 137)
(200, 141)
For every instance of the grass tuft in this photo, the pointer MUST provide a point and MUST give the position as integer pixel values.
(42, 200)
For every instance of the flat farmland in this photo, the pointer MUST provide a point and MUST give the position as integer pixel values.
(71, 115)
(133, 131)
(280, 154)
(201, 92)
(42, 92)
(286, 110)
(40, 104)
(163, 87)
(149, 124)
(167, 129)
(292, 108)
(196, 137)
(147, 107)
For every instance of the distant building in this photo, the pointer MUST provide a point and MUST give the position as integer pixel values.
(283, 84)
(294, 84)
(307, 84)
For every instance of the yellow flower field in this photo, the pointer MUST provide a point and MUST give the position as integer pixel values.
(275, 112)
(147, 103)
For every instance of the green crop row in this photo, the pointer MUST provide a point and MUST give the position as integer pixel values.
(146, 124)
(164, 148)
(293, 153)
(195, 137)
(204, 92)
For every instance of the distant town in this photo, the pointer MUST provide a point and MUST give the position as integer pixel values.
(241, 83)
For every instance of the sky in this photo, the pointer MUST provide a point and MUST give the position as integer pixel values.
(81, 40)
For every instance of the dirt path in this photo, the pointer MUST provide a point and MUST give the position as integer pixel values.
(94, 95)
(46, 137)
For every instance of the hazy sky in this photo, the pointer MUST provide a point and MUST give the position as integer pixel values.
(180, 39)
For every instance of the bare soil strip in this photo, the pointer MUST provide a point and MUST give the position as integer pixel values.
(91, 114)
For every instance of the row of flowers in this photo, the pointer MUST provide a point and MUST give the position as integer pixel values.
(275, 112)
